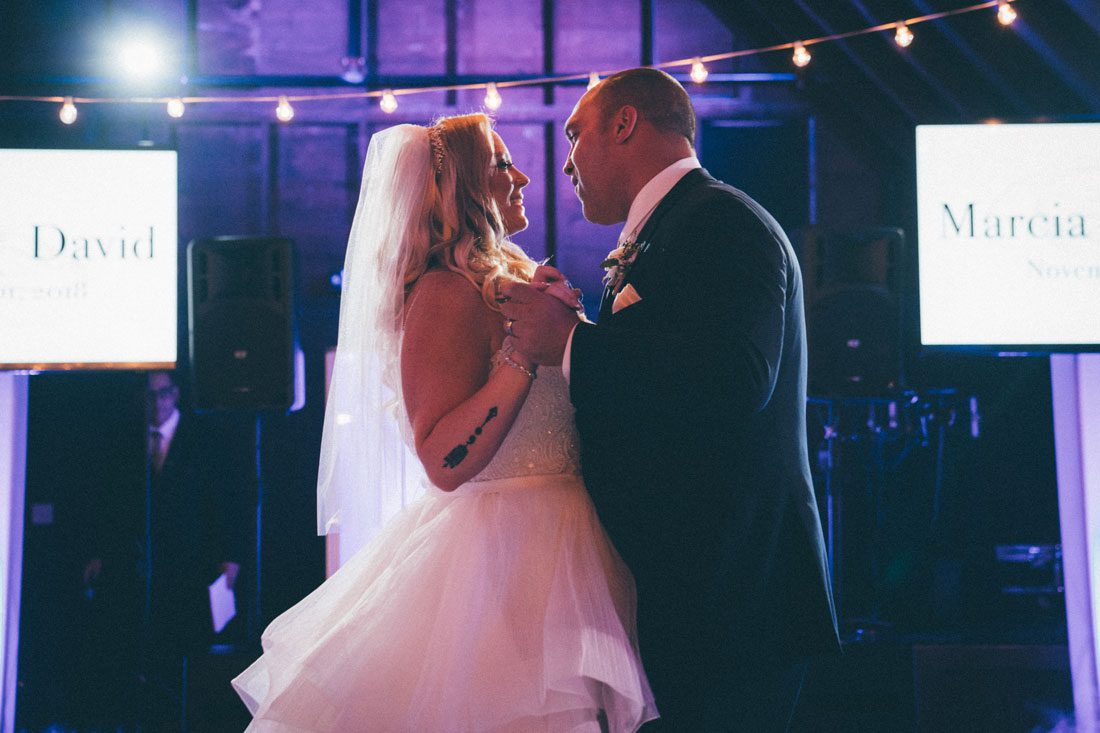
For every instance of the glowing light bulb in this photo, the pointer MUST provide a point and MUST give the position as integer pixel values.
(699, 72)
(1005, 13)
(801, 56)
(492, 97)
(140, 58)
(904, 36)
(284, 111)
(175, 108)
(354, 69)
(593, 79)
(389, 102)
(68, 111)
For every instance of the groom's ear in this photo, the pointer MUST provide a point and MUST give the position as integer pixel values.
(623, 123)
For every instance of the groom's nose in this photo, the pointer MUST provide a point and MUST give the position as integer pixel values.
(568, 167)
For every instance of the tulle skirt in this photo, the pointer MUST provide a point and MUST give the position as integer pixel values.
(500, 606)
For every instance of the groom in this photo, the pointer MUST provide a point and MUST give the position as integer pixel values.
(690, 399)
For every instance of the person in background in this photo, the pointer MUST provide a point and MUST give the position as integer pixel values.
(196, 534)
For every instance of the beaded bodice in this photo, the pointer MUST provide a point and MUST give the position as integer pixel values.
(543, 439)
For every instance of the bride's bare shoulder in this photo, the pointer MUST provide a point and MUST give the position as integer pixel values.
(447, 339)
(438, 282)
(442, 295)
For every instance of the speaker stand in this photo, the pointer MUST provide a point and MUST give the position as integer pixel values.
(255, 627)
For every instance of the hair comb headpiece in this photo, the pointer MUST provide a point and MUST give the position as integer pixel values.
(435, 139)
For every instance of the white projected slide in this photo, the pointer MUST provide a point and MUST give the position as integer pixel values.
(1008, 225)
(87, 258)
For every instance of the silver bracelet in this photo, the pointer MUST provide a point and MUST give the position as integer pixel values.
(504, 356)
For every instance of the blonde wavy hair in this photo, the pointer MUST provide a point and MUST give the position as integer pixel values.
(465, 226)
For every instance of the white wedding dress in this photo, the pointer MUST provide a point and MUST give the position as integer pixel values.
(500, 606)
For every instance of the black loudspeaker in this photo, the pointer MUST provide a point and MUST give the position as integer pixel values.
(241, 323)
(853, 289)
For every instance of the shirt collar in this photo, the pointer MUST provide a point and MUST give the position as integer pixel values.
(167, 429)
(652, 193)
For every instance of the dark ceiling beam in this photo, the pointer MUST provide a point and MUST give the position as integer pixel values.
(860, 115)
(976, 60)
(1068, 75)
(450, 10)
(1088, 11)
(884, 88)
(647, 32)
(944, 94)
(107, 86)
(548, 35)
(192, 62)
(370, 54)
(355, 29)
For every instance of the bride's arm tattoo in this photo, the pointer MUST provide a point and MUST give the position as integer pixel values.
(460, 451)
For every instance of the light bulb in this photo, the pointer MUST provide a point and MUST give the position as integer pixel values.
(801, 56)
(68, 111)
(389, 102)
(1005, 13)
(904, 36)
(593, 79)
(354, 69)
(699, 72)
(140, 58)
(284, 111)
(492, 97)
(175, 108)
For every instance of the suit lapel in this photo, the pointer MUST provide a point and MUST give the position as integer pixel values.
(605, 304)
(690, 180)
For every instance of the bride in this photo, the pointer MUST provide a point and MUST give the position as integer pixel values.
(494, 601)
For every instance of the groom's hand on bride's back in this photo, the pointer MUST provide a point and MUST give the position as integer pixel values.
(540, 323)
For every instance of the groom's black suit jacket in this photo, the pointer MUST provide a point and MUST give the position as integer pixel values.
(691, 409)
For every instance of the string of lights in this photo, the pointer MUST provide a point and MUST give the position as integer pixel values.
(176, 106)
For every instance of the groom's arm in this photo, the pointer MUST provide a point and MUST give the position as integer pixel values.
(722, 340)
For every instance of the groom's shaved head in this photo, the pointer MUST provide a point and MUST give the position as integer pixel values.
(659, 99)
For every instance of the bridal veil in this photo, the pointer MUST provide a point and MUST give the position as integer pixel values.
(368, 470)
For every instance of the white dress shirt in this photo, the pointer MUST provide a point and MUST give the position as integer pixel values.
(167, 431)
(652, 193)
(640, 210)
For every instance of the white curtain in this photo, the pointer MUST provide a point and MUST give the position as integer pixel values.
(1075, 384)
(13, 464)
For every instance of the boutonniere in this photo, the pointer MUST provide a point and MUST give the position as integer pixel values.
(618, 262)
